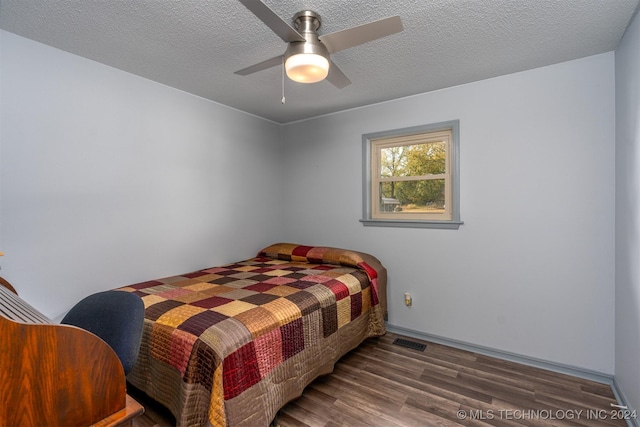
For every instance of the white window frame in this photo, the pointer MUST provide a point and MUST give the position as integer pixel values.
(372, 145)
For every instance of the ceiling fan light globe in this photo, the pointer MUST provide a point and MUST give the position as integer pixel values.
(307, 67)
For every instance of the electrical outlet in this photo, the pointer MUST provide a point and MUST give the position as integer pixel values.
(407, 299)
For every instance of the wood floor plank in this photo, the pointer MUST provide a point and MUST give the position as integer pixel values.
(574, 398)
(295, 415)
(412, 416)
(364, 379)
(322, 403)
(598, 389)
(383, 384)
(454, 385)
(445, 409)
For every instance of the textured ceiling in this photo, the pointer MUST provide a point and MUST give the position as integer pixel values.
(196, 45)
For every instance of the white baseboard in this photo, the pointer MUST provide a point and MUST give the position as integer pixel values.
(504, 355)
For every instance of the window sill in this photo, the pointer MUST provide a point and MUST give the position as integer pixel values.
(447, 225)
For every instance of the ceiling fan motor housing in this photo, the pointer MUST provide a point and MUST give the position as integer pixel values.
(307, 23)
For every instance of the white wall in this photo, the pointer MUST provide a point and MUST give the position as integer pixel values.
(108, 179)
(532, 269)
(628, 214)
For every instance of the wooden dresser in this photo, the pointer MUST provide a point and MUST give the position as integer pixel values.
(57, 375)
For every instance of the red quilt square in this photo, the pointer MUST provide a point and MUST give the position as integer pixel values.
(356, 305)
(195, 274)
(301, 251)
(260, 287)
(144, 285)
(240, 371)
(339, 289)
(292, 338)
(211, 302)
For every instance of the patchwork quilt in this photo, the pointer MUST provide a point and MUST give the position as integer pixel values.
(230, 345)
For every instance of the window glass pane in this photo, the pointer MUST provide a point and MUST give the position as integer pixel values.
(413, 160)
(420, 196)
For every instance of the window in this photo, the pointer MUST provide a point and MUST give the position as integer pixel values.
(411, 177)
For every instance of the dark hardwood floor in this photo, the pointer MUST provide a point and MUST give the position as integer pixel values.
(382, 384)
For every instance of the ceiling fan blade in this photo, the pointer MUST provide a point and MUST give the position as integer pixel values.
(351, 37)
(276, 60)
(273, 21)
(336, 77)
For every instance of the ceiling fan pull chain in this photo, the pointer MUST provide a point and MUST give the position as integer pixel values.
(283, 98)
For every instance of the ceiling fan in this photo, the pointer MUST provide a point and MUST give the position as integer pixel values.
(306, 59)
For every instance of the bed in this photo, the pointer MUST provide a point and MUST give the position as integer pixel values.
(231, 345)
